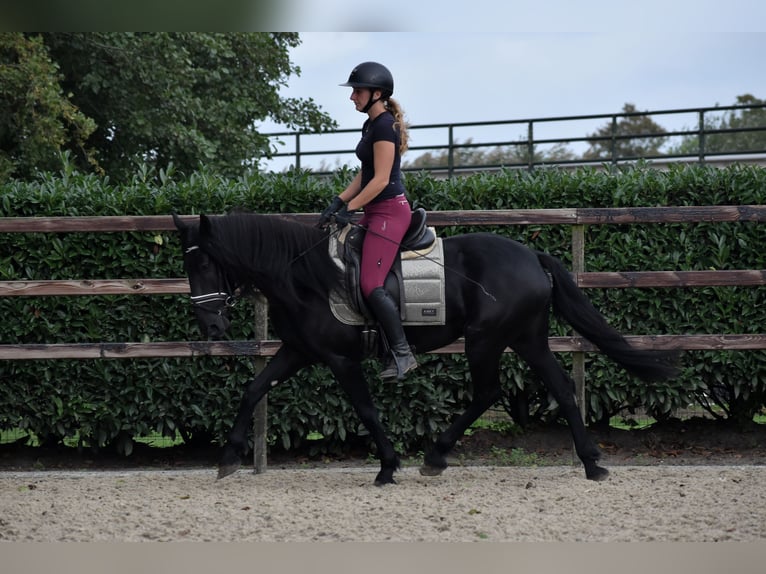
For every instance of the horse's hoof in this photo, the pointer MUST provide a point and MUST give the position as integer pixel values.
(598, 473)
(385, 476)
(227, 469)
(427, 470)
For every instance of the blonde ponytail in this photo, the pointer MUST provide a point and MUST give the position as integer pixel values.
(399, 122)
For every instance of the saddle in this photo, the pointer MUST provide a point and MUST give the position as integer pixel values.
(416, 279)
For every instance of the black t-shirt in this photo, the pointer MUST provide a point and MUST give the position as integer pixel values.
(380, 129)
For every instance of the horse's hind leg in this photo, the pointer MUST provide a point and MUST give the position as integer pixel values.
(542, 361)
(484, 363)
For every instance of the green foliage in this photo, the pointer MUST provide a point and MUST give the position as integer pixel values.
(107, 403)
(37, 120)
(514, 457)
(116, 100)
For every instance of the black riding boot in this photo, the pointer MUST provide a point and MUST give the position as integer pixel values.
(387, 314)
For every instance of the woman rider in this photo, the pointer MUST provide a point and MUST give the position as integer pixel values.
(378, 190)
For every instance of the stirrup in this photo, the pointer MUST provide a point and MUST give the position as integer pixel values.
(398, 366)
(389, 369)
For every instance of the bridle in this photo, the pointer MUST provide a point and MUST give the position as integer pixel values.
(226, 296)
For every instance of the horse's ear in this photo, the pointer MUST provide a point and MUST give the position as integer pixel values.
(179, 223)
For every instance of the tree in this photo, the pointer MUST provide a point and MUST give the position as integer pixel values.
(750, 118)
(37, 120)
(185, 99)
(609, 142)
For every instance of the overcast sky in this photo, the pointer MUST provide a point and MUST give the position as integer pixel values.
(656, 55)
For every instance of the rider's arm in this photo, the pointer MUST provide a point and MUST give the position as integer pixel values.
(384, 153)
(353, 188)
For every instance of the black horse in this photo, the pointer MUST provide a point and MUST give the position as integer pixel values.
(499, 294)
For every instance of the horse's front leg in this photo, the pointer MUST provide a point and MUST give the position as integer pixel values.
(282, 366)
(351, 378)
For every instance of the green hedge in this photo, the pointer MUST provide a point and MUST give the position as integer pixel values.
(110, 402)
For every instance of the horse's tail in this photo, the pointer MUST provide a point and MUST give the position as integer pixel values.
(571, 304)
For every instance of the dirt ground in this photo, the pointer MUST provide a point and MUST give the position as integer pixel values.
(679, 483)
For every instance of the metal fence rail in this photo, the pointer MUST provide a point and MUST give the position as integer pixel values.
(707, 134)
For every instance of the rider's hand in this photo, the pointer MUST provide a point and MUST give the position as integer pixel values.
(331, 209)
(343, 217)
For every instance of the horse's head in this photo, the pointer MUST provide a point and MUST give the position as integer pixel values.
(211, 292)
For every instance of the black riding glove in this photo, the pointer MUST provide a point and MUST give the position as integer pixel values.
(327, 214)
(343, 217)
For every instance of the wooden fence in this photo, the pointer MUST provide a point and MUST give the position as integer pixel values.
(577, 218)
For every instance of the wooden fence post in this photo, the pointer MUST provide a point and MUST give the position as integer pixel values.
(578, 357)
(260, 425)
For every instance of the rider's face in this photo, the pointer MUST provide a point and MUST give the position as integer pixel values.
(360, 97)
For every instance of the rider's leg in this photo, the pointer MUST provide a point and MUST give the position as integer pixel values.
(387, 314)
(386, 223)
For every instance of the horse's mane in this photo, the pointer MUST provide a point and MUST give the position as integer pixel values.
(274, 254)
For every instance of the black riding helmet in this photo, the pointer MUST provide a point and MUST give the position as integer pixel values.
(372, 75)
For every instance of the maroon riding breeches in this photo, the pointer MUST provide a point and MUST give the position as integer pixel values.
(386, 222)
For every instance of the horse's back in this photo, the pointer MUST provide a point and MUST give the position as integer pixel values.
(489, 252)
(506, 269)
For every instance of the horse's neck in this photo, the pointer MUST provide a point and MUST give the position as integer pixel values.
(284, 263)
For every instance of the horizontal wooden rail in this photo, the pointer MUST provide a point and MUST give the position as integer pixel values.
(648, 342)
(573, 216)
(96, 224)
(599, 279)
(139, 350)
(268, 348)
(601, 216)
(54, 287)
(619, 279)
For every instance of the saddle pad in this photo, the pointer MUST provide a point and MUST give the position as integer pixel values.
(423, 272)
